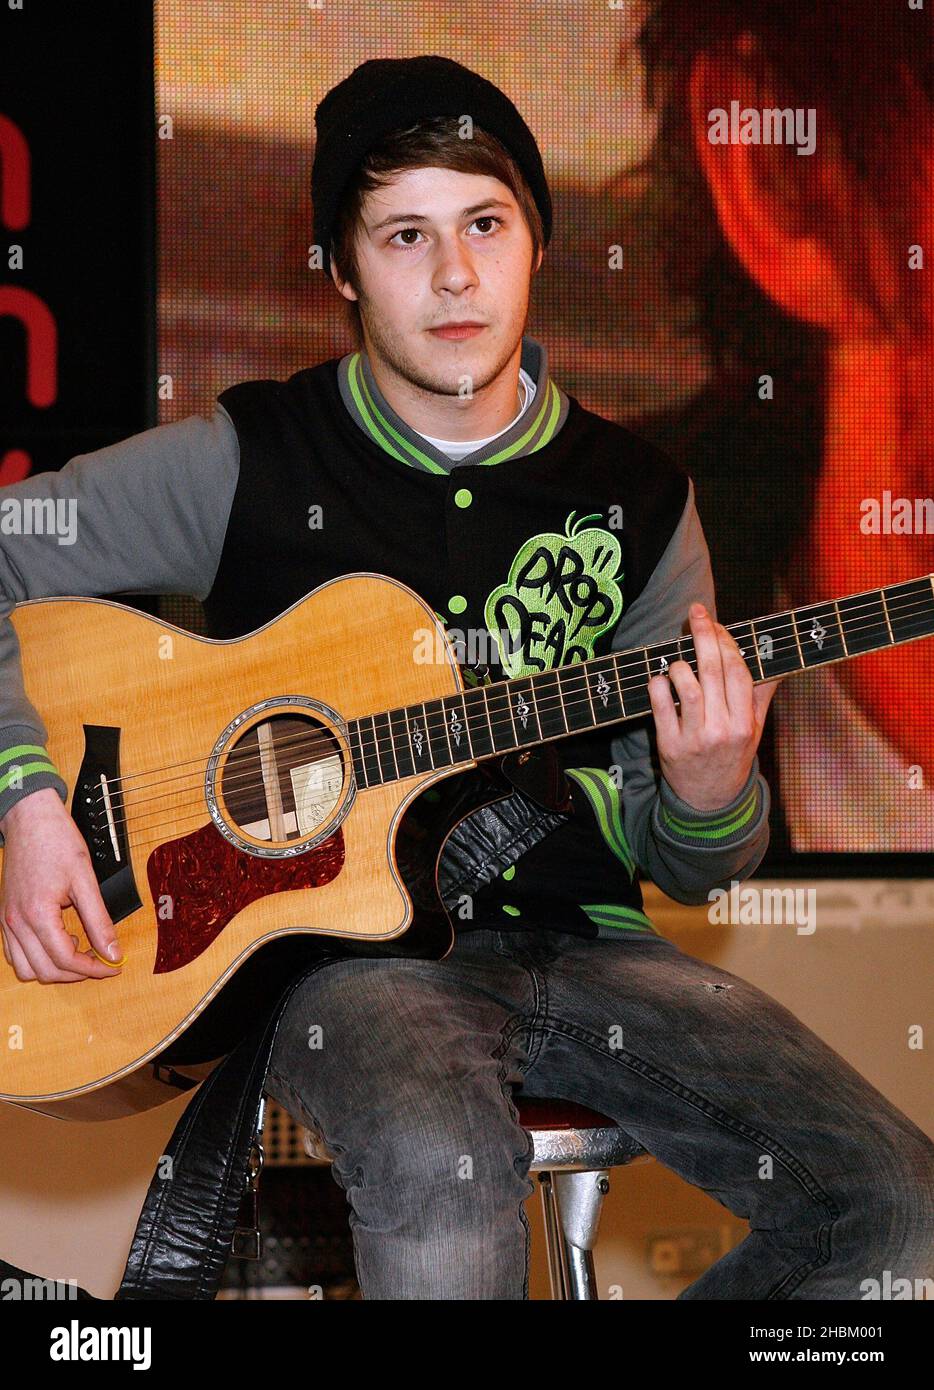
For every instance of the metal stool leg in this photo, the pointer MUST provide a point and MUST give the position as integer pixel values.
(571, 1205)
(554, 1244)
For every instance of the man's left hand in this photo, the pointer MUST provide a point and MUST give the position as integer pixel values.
(706, 751)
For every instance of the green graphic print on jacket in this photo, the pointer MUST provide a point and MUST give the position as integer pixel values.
(562, 594)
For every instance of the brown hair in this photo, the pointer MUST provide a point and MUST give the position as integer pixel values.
(435, 141)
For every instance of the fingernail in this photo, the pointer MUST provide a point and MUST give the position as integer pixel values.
(113, 952)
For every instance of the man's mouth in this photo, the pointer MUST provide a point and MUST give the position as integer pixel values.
(457, 331)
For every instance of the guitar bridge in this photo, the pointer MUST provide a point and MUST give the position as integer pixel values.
(98, 810)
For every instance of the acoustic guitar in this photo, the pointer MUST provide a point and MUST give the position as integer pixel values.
(260, 792)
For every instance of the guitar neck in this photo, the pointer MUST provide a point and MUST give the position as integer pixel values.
(489, 720)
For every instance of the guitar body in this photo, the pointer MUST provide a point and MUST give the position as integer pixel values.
(212, 781)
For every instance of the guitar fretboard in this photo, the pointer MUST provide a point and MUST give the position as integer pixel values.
(487, 720)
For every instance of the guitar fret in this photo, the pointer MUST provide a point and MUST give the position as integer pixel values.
(820, 636)
(633, 684)
(479, 730)
(885, 610)
(744, 638)
(368, 744)
(356, 753)
(777, 655)
(564, 715)
(585, 678)
(418, 739)
(388, 768)
(549, 705)
(457, 729)
(662, 655)
(501, 725)
(524, 713)
(911, 611)
(437, 733)
(864, 622)
(603, 688)
(402, 747)
(842, 633)
(572, 681)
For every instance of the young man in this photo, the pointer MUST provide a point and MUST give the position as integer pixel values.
(442, 453)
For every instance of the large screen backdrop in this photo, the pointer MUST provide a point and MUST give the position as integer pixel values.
(750, 296)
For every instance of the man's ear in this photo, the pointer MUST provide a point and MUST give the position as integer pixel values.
(774, 235)
(344, 286)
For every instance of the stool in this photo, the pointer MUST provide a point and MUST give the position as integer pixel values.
(574, 1148)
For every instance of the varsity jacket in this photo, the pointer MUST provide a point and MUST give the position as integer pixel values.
(563, 538)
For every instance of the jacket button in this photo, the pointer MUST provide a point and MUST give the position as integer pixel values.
(463, 497)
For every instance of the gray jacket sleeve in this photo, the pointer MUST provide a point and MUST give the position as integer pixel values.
(685, 852)
(145, 516)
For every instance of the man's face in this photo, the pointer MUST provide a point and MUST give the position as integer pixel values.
(436, 247)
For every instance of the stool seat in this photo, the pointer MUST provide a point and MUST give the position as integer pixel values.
(572, 1137)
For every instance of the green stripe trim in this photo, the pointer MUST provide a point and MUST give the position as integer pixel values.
(719, 826)
(619, 916)
(396, 444)
(24, 770)
(377, 424)
(552, 402)
(603, 795)
(9, 753)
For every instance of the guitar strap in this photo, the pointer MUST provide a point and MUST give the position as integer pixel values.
(492, 837)
(184, 1235)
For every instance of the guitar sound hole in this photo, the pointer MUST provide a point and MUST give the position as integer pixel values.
(283, 778)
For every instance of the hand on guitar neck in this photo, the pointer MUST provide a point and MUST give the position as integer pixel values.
(706, 748)
(46, 865)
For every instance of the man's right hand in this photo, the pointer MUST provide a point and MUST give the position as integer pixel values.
(46, 866)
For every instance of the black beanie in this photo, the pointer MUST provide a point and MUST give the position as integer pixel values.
(386, 94)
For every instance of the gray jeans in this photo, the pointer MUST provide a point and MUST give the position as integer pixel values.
(408, 1069)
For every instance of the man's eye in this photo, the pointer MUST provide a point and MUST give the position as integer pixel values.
(488, 218)
(403, 232)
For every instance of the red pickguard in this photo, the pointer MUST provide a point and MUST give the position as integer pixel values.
(208, 881)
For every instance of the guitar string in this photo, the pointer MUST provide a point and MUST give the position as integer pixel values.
(505, 722)
(569, 672)
(198, 812)
(575, 671)
(318, 737)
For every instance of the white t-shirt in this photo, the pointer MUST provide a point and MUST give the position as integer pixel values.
(457, 449)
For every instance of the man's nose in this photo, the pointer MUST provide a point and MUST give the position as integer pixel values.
(455, 266)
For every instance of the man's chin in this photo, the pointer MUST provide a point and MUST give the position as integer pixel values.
(443, 369)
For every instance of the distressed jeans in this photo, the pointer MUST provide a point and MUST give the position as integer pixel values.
(409, 1068)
